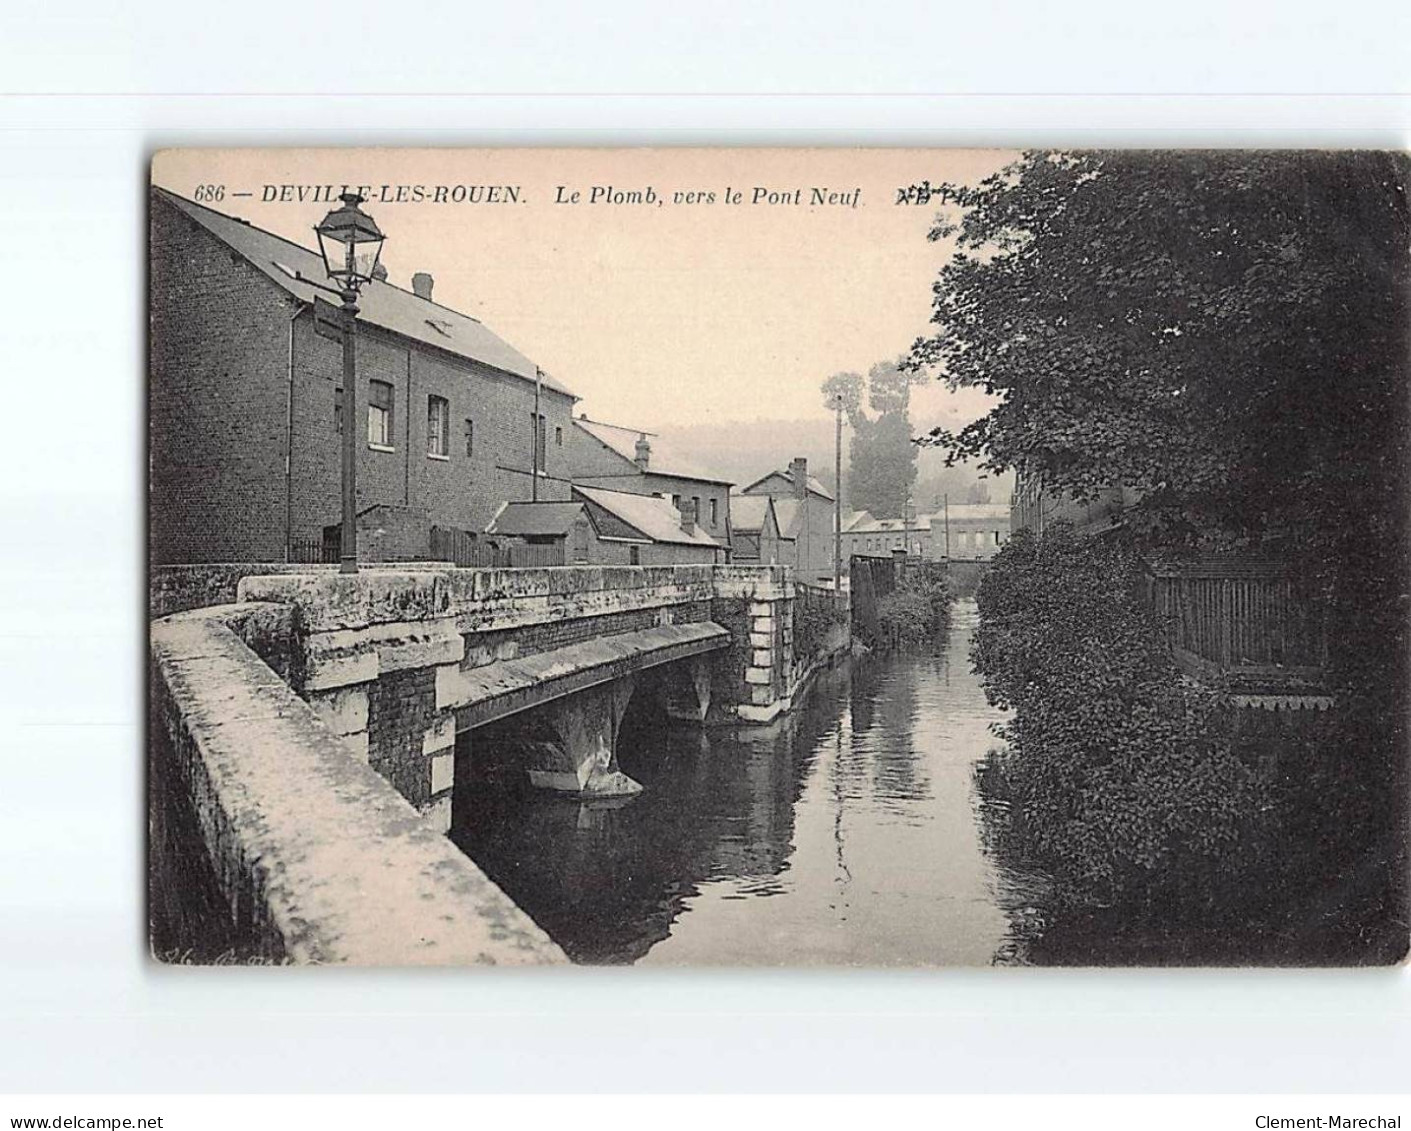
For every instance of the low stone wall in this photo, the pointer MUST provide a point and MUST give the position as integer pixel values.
(293, 849)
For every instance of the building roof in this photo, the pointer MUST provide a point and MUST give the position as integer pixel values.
(379, 303)
(748, 512)
(534, 519)
(655, 518)
(664, 458)
(866, 524)
(814, 486)
(854, 519)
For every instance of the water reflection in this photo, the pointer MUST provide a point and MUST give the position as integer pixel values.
(845, 835)
(866, 829)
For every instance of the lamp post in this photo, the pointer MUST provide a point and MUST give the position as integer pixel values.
(351, 244)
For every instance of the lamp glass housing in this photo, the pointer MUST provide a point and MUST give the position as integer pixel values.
(351, 244)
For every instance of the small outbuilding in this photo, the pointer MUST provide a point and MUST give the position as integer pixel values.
(754, 531)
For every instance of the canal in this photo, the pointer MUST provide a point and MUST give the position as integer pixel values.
(849, 834)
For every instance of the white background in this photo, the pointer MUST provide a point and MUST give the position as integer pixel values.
(91, 90)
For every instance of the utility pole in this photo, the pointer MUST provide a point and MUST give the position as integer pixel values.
(838, 495)
(947, 506)
(538, 421)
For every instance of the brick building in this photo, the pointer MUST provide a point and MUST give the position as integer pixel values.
(804, 509)
(640, 463)
(245, 404)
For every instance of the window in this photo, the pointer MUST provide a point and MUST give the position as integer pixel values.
(338, 411)
(558, 437)
(996, 537)
(438, 427)
(715, 512)
(634, 555)
(696, 499)
(469, 437)
(379, 414)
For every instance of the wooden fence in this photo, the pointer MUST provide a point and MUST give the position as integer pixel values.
(529, 555)
(314, 551)
(869, 580)
(466, 549)
(1246, 619)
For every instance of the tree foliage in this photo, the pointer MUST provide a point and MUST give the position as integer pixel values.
(1227, 332)
(881, 454)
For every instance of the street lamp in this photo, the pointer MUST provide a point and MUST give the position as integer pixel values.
(351, 244)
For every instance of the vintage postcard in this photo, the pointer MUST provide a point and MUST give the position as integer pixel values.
(778, 557)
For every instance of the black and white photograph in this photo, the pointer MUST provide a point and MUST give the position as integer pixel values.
(727, 557)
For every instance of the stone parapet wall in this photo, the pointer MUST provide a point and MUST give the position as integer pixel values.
(179, 588)
(307, 854)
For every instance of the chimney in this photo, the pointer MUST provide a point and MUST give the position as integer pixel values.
(422, 284)
(380, 272)
(688, 514)
(798, 472)
(644, 453)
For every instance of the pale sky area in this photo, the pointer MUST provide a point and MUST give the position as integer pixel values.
(655, 314)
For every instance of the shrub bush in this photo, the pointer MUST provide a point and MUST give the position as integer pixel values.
(916, 612)
(1121, 776)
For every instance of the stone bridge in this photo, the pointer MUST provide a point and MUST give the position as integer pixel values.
(307, 739)
(408, 666)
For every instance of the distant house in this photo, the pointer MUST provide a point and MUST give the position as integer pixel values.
(636, 529)
(754, 531)
(962, 532)
(977, 530)
(246, 411)
(625, 459)
(601, 527)
(869, 537)
(549, 533)
(804, 510)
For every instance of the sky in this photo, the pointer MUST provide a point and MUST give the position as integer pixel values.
(666, 312)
